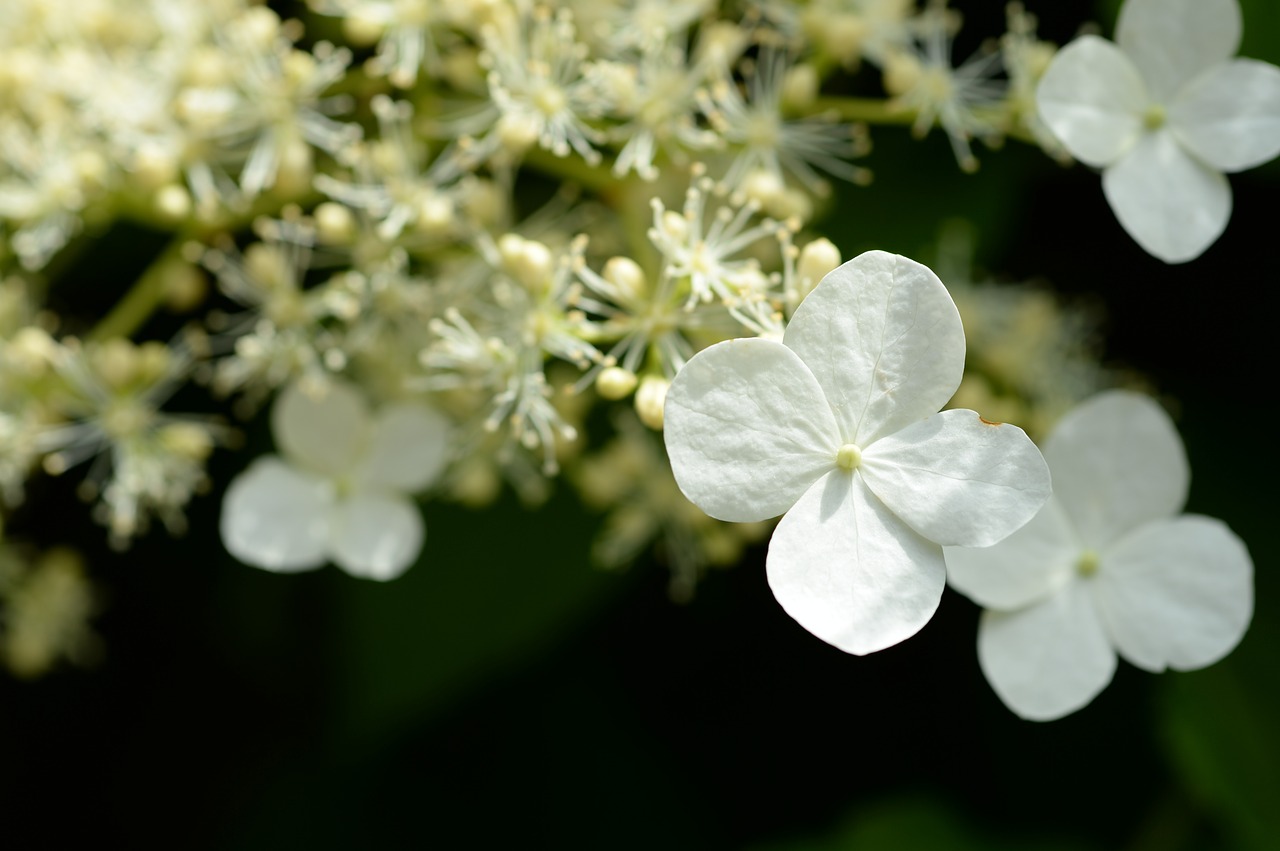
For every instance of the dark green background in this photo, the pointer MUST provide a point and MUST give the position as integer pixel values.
(506, 694)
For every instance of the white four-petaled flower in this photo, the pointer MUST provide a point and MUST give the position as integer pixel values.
(1164, 113)
(838, 426)
(1108, 565)
(341, 491)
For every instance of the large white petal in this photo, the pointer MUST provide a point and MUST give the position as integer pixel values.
(1049, 659)
(851, 572)
(408, 447)
(748, 429)
(276, 517)
(1230, 116)
(375, 536)
(1172, 205)
(1030, 564)
(958, 479)
(323, 429)
(1176, 593)
(884, 340)
(1117, 463)
(1093, 99)
(1171, 41)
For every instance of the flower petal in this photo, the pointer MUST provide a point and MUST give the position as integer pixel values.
(958, 479)
(1171, 41)
(1230, 116)
(1172, 205)
(1092, 97)
(323, 429)
(276, 517)
(1117, 463)
(408, 447)
(849, 571)
(1025, 567)
(748, 429)
(883, 337)
(1176, 593)
(1049, 659)
(375, 536)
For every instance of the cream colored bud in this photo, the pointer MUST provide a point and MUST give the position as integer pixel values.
(335, 224)
(529, 261)
(362, 30)
(296, 168)
(258, 26)
(651, 400)
(625, 274)
(267, 266)
(800, 87)
(674, 225)
(517, 132)
(298, 66)
(902, 73)
(187, 440)
(614, 382)
(185, 287)
(154, 165)
(436, 214)
(32, 350)
(840, 35)
(817, 260)
(116, 361)
(763, 187)
(173, 202)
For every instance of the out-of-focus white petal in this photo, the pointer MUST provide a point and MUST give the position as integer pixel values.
(408, 447)
(323, 430)
(1093, 99)
(747, 429)
(276, 517)
(883, 337)
(1117, 463)
(1028, 565)
(1230, 115)
(1176, 593)
(1049, 659)
(1172, 205)
(375, 536)
(1172, 41)
(851, 572)
(958, 479)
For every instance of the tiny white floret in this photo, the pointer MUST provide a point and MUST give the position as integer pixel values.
(341, 491)
(1109, 566)
(838, 426)
(1165, 112)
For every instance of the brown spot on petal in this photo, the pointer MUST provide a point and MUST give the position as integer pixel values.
(987, 422)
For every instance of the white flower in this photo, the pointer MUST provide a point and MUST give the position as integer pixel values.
(340, 492)
(838, 426)
(1164, 114)
(1109, 565)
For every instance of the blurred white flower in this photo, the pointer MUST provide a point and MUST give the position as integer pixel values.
(1164, 112)
(838, 426)
(340, 493)
(1108, 565)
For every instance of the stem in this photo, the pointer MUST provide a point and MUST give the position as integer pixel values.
(867, 110)
(597, 178)
(142, 299)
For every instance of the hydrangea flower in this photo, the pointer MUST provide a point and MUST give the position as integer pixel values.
(1109, 565)
(1164, 113)
(838, 426)
(340, 493)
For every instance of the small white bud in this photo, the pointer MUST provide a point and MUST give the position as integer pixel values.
(614, 382)
(651, 400)
(334, 223)
(625, 274)
(817, 260)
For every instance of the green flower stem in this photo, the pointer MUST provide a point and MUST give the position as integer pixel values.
(866, 110)
(142, 299)
(597, 178)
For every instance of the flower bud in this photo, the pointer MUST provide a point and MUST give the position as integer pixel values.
(651, 400)
(614, 382)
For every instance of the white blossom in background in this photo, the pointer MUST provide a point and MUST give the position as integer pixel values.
(838, 426)
(1164, 113)
(341, 491)
(1109, 566)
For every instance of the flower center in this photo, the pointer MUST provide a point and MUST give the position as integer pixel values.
(1087, 565)
(849, 456)
(1154, 117)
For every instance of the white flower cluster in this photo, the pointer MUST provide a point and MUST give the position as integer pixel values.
(432, 262)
